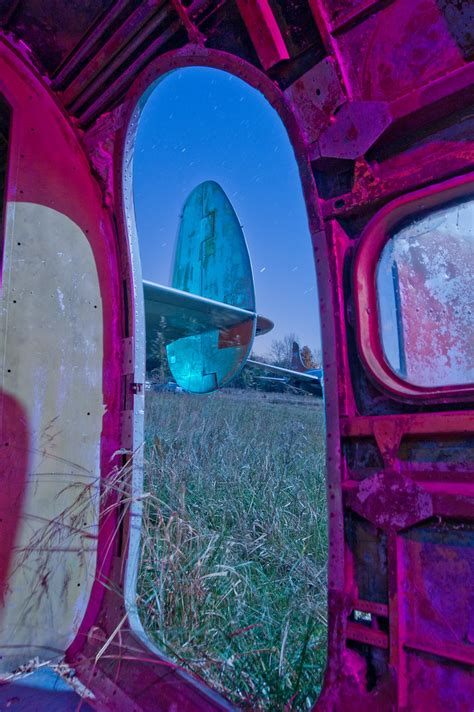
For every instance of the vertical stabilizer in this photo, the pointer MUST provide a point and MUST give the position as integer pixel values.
(296, 362)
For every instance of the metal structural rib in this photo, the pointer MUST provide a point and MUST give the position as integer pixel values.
(377, 100)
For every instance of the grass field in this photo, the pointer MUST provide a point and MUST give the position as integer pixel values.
(233, 572)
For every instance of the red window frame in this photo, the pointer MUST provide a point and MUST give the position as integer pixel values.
(374, 238)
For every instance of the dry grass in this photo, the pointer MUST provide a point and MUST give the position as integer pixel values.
(233, 573)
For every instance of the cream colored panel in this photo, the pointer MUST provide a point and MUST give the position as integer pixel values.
(52, 341)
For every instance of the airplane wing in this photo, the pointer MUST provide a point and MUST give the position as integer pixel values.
(290, 376)
(284, 372)
(176, 314)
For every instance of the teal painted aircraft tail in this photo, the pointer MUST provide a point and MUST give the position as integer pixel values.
(212, 261)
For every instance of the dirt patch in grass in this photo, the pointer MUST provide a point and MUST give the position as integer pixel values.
(233, 573)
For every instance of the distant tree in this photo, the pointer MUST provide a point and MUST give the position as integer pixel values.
(256, 357)
(311, 358)
(281, 351)
(307, 357)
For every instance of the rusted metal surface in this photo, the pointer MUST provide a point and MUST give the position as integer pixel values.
(317, 95)
(264, 31)
(52, 30)
(393, 116)
(355, 129)
(136, 25)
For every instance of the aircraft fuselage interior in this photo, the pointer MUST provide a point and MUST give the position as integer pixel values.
(377, 99)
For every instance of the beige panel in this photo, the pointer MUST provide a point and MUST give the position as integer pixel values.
(52, 337)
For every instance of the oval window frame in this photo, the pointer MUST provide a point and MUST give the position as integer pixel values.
(373, 240)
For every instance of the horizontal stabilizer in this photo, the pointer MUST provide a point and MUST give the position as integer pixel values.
(264, 325)
(176, 314)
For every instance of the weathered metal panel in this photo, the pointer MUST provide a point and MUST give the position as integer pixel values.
(54, 302)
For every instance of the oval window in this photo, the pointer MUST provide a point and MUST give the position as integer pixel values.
(424, 283)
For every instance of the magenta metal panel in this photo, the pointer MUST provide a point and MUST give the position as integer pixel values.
(13, 474)
(264, 31)
(398, 48)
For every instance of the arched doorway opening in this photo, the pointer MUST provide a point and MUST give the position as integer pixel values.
(232, 583)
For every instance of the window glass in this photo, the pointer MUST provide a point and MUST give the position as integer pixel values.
(425, 280)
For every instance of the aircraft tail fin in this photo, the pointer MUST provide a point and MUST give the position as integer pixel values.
(296, 362)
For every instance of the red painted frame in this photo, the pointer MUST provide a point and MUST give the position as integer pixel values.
(374, 238)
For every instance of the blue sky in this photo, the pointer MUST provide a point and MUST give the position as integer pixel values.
(204, 124)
